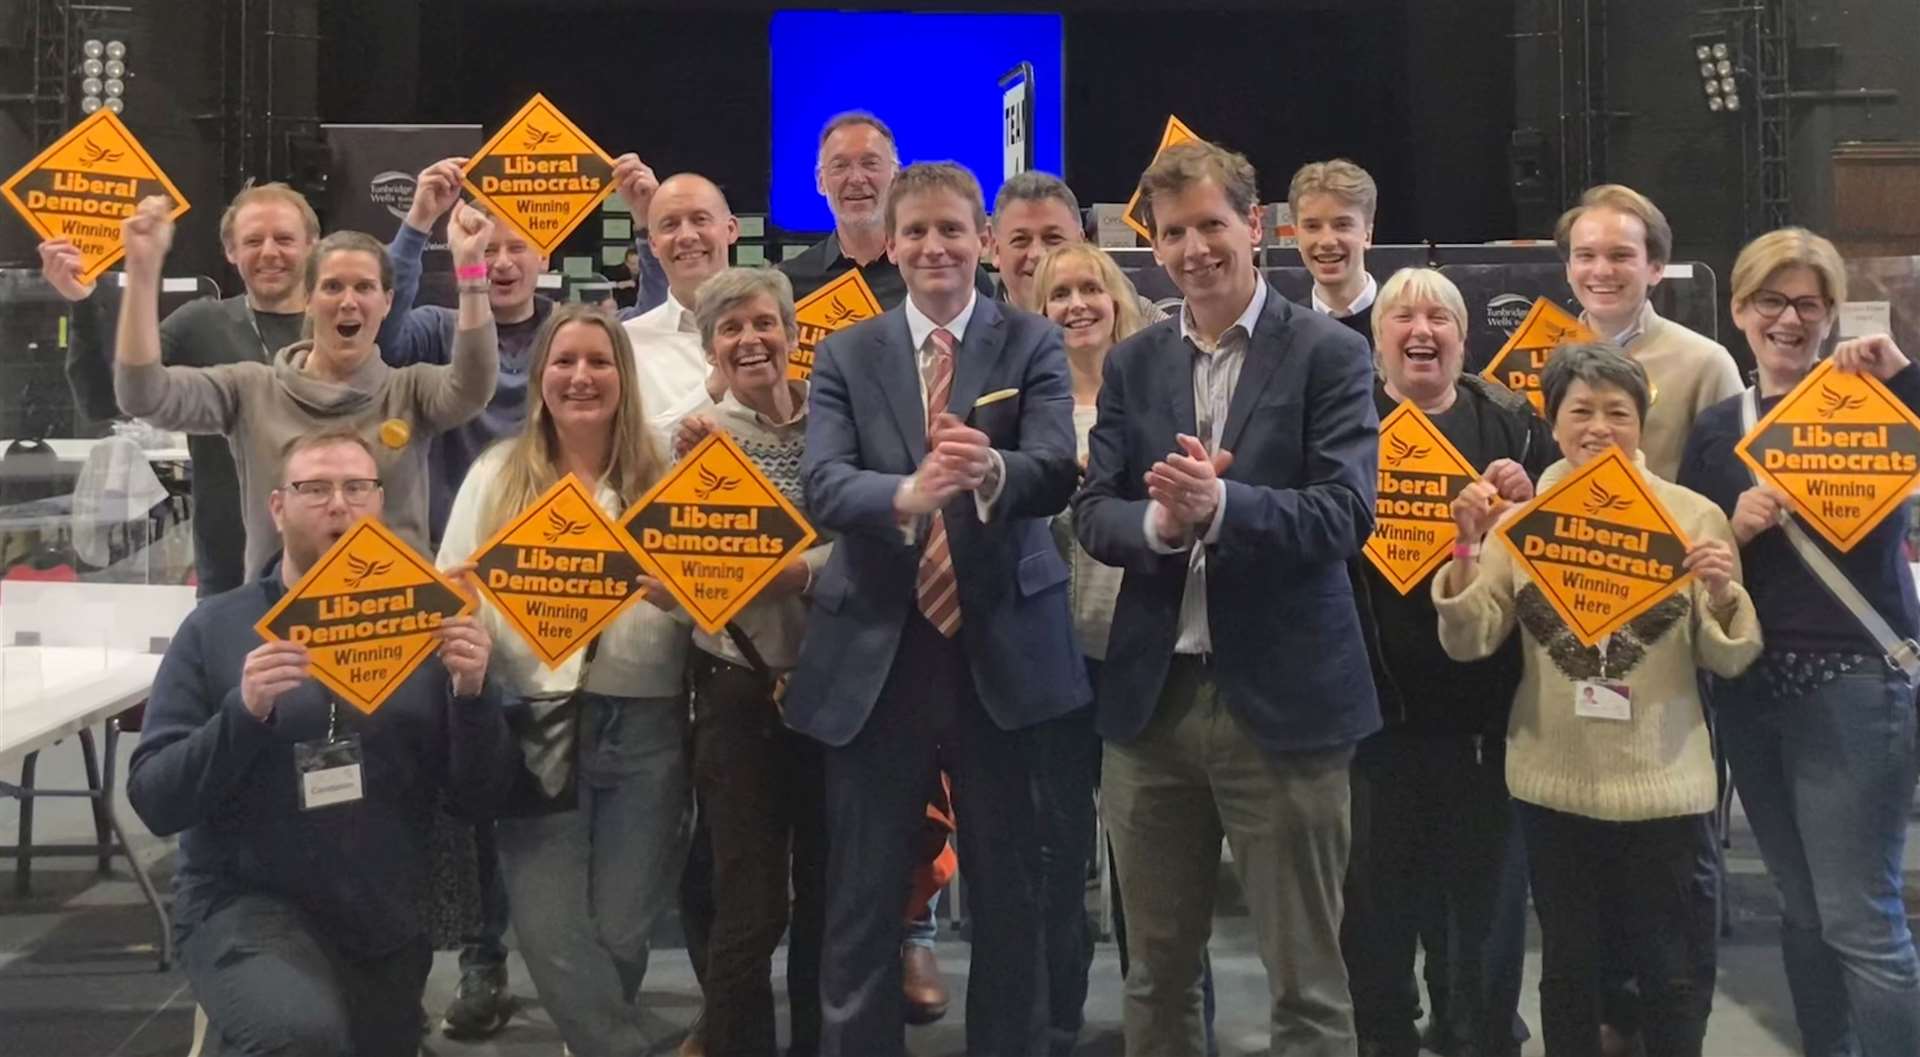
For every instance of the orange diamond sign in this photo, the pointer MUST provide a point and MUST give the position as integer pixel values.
(540, 174)
(83, 186)
(715, 531)
(366, 612)
(1843, 449)
(839, 304)
(560, 572)
(1600, 546)
(1175, 132)
(1519, 362)
(1420, 474)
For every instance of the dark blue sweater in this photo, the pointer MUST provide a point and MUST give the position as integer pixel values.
(1796, 612)
(207, 769)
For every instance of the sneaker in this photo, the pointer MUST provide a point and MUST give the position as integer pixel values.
(482, 1005)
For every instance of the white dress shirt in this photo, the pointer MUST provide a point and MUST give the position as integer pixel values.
(670, 365)
(1360, 304)
(920, 330)
(1216, 373)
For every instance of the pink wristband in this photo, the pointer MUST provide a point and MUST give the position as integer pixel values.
(1462, 550)
(470, 271)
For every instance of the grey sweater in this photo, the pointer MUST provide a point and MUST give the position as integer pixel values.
(260, 408)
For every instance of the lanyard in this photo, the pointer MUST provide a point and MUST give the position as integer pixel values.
(254, 322)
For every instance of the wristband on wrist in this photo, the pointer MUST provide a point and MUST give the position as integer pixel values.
(470, 271)
(473, 287)
(1462, 550)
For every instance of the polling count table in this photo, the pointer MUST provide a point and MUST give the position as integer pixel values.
(73, 657)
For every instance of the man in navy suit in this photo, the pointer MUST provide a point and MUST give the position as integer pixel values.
(1231, 474)
(939, 442)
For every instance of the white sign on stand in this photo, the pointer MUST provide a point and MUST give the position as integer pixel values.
(1016, 121)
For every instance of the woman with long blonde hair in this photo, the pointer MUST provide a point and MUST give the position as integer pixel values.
(588, 882)
(1080, 288)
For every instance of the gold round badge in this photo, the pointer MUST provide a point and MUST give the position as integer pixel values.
(395, 433)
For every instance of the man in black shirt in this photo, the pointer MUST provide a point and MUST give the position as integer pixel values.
(858, 160)
(267, 232)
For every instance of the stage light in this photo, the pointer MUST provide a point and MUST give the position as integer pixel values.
(92, 68)
(89, 104)
(115, 105)
(93, 49)
(116, 50)
(115, 88)
(116, 68)
(90, 86)
(1719, 70)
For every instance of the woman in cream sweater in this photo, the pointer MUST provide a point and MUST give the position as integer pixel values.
(587, 885)
(1615, 802)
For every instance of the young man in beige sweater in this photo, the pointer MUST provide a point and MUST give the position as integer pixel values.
(1616, 244)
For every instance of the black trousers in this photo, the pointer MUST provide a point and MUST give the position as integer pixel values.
(928, 717)
(272, 982)
(1639, 879)
(1433, 827)
(1065, 766)
(762, 810)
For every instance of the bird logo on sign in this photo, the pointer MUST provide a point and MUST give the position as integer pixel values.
(559, 526)
(360, 570)
(535, 138)
(1399, 451)
(1832, 403)
(711, 482)
(1600, 500)
(92, 154)
(838, 313)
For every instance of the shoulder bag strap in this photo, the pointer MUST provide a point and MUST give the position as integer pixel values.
(1900, 654)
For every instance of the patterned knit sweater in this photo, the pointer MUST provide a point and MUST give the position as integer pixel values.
(1657, 764)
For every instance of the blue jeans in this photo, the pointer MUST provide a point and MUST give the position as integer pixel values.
(588, 886)
(1827, 782)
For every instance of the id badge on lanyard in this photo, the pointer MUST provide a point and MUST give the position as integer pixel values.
(1603, 698)
(330, 769)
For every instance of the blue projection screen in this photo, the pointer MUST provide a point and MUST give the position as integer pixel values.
(930, 77)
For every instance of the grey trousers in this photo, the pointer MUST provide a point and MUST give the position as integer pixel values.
(1168, 797)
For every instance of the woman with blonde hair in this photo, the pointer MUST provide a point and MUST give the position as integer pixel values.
(1819, 734)
(1081, 289)
(587, 882)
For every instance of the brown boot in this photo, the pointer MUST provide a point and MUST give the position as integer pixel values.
(920, 979)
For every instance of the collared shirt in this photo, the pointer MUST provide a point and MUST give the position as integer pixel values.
(920, 330)
(671, 366)
(1635, 330)
(824, 261)
(1216, 372)
(1360, 303)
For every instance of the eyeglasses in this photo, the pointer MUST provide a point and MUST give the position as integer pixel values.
(1771, 303)
(871, 164)
(358, 491)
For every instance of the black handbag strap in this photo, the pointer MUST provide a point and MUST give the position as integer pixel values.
(747, 649)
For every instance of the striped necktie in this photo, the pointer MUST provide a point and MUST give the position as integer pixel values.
(934, 585)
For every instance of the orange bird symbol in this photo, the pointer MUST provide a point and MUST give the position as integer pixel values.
(360, 570)
(558, 526)
(1399, 451)
(536, 138)
(1599, 499)
(711, 482)
(1832, 403)
(92, 154)
(838, 313)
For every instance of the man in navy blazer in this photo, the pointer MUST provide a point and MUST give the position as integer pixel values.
(1231, 474)
(940, 629)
